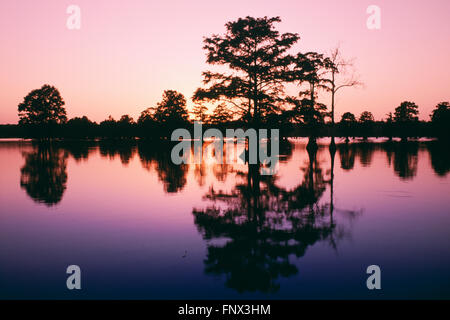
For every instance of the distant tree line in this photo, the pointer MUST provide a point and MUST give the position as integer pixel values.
(249, 93)
(41, 119)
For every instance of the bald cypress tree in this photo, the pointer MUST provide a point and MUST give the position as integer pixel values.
(256, 57)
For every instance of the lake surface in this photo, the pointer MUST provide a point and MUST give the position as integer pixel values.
(141, 227)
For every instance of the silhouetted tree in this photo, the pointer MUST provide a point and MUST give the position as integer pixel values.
(406, 112)
(147, 124)
(310, 68)
(338, 65)
(366, 120)
(366, 116)
(108, 127)
(256, 55)
(311, 116)
(41, 110)
(172, 108)
(347, 124)
(389, 126)
(440, 118)
(125, 126)
(405, 115)
(171, 112)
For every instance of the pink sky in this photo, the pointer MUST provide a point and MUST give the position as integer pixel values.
(128, 52)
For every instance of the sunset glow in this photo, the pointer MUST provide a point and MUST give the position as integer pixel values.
(128, 52)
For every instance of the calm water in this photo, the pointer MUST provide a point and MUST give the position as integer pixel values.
(142, 227)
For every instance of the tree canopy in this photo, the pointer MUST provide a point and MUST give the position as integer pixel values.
(256, 56)
(42, 106)
(366, 116)
(171, 109)
(348, 117)
(406, 112)
(441, 114)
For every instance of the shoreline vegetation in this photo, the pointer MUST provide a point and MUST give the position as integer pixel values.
(116, 130)
(256, 66)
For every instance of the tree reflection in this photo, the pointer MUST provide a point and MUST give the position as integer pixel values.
(44, 175)
(405, 160)
(347, 155)
(440, 157)
(79, 149)
(253, 230)
(365, 152)
(124, 148)
(157, 156)
(404, 156)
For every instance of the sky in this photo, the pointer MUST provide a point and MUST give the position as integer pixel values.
(126, 53)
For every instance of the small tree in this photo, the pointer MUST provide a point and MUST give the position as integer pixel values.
(336, 65)
(440, 118)
(309, 68)
(366, 120)
(42, 109)
(406, 112)
(405, 116)
(172, 109)
(366, 116)
(147, 123)
(389, 125)
(108, 127)
(348, 121)
(125, 126)
(171, 113)
(348, 117)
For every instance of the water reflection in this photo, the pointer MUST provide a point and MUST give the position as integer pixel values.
(157, 157)
(125, 149)
(402, 156)
(254, 230)
(347, 155)
(44, 175)
(245, 232)
(405, 160)
(440, 157)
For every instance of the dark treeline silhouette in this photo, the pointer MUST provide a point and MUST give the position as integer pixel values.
(256, 63)
(82, 128)
(126, 128)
